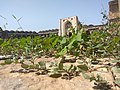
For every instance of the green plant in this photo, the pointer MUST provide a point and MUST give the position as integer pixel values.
(18, 21)
(98, 44)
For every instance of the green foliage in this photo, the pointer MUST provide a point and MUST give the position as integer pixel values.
(82, 67)
(117, 81)
(42, 65)
(17, 20)
(116, 69)
(1, 41)
(92, 77)
(98, 44)
(25, 66)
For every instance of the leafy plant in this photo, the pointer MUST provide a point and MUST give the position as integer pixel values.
(99, 44)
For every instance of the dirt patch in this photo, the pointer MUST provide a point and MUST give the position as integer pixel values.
(31, 81)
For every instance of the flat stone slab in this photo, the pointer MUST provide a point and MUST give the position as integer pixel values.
(31, 81)
(2, 57)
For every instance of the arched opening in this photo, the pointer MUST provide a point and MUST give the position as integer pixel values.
(68, 26)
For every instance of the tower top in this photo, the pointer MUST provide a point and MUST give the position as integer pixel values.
(114, 9)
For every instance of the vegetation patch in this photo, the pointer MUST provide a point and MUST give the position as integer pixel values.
(99, 44)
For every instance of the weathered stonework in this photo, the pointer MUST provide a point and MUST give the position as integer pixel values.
(114, 9)
(66, 23)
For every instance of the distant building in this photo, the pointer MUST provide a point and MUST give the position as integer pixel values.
(114, 10)
(47, 33)
(66, 23)
(17, 34)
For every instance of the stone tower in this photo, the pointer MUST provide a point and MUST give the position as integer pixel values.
(66, 23)
(114, 9)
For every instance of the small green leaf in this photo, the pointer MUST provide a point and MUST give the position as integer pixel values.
(116, 70)
(62, 60)
(92, 78)
(64, 40)
(85, 76)
(115, 61)
(63, 52)
(79, 62)
(99, 78)
(51, 64)
(116, 39)
(31, 66)
(42, 64)
(3, 17)
(83, 67)
(70, 67)
(55, 71)
(19, 19)
(25, 66)
(79, 36)
(74, 69)
(71, 44)
(8, 61)
(60, 66)
(55, 75)
(98, 46)
(35, 66)
(14, 17)
(117, 81)
(1, 41)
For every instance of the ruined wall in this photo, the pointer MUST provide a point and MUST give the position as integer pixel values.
(114, 9)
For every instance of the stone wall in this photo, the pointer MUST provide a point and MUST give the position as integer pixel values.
(114, 9)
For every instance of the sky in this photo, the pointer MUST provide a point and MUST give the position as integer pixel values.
(38, 15)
